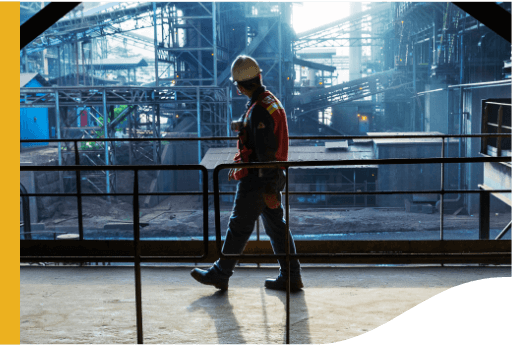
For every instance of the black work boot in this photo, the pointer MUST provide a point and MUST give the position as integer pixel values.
(281, 283)
(210, 277)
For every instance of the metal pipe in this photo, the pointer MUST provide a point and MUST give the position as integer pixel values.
(215, 44)
(486, 84)
(504, 231)
(106, 135)
(83, 63)
(59, 65)
(137, 259)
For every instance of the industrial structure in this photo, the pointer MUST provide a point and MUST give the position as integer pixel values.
(387, 82)
(410, 67)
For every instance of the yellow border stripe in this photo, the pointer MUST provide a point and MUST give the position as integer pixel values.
(10, 250)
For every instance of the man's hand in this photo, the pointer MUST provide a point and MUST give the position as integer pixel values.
(230, 174)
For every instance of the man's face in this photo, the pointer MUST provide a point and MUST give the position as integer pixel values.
(242, 91)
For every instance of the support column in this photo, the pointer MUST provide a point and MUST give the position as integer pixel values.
(106, 143)
(414, 100)
(198, 127)
(229, 114)
(59, 65)
(154, 130)
(280, 53)
(158, 134)
(77, 60)
(58, 125)
(155, 44)
(214, 44)
(130, 124)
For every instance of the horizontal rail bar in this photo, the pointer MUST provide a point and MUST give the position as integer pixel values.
(255, 256)
(304, 137)
(387, 161)
(449, 191)
(276, 164)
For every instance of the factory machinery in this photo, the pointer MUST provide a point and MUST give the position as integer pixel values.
(397, 52)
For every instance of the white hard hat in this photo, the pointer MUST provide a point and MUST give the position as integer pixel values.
(244, 68)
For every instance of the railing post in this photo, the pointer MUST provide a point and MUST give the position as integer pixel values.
(26, 213)
(137, 260)
(441, 212)
(59, 150)
(485, 205)
(79, 192)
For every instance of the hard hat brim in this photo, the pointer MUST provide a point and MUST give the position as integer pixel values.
(235, 81)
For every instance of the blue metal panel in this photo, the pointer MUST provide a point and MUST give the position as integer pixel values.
(34, 122)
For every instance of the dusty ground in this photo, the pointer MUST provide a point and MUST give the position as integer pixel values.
(181, 216)
(74, 305)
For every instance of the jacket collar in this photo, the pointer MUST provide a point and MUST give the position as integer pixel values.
(256, 95)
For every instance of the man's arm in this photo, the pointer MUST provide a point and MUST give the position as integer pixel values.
(263, 126)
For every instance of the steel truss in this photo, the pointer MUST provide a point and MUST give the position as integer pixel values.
(341, 33)
(209, 107)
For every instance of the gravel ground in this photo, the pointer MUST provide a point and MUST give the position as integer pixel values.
(181, 216)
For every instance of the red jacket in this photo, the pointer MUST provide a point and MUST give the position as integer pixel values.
(264, 137)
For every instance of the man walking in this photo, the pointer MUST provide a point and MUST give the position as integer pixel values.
(263, 137)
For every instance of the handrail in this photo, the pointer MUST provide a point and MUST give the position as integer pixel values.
(137, 258)
(293, 137)
(26, 212)
(288, 256)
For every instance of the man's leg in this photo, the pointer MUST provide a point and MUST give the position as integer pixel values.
(248, 205)
(275, 225)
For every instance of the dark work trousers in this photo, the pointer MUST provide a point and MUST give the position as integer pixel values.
(249, 204)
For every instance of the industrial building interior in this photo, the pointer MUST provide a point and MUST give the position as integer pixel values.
(399, 169)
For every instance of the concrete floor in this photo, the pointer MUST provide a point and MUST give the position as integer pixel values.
(72, 305)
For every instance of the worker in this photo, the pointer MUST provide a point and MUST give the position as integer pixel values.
(263, 137)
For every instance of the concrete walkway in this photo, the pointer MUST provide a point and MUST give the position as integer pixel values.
(73, 305)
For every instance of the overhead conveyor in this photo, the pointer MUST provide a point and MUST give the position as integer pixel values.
(349, 91)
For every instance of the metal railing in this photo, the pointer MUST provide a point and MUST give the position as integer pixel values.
(137, 258)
